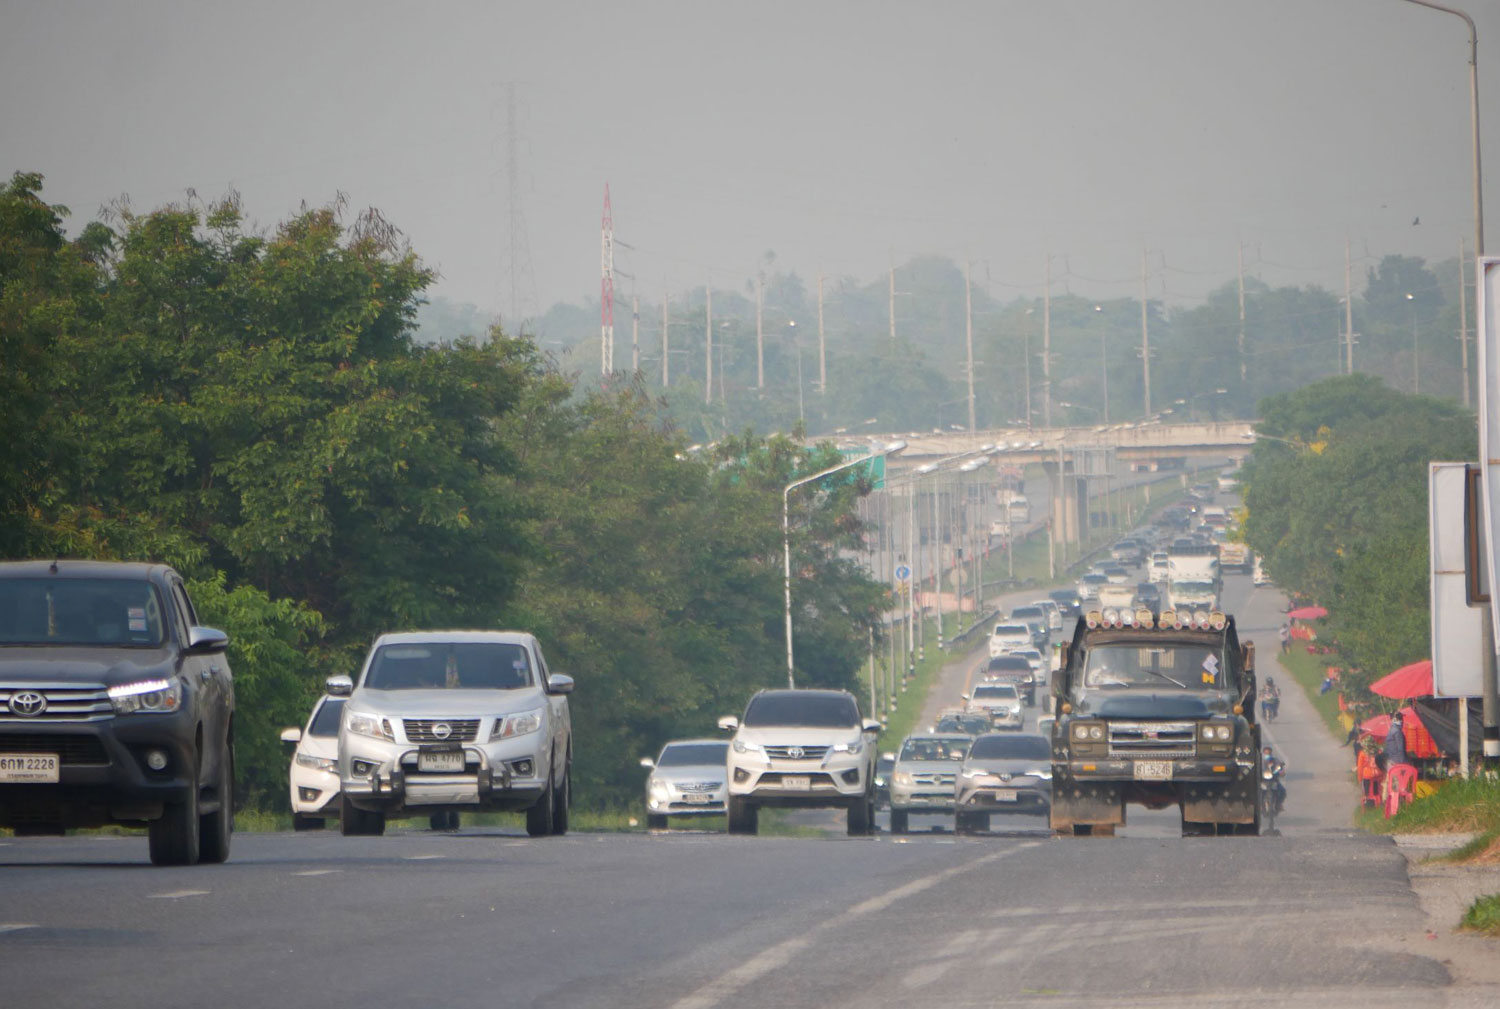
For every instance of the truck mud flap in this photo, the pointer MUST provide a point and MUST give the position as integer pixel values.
(1233, 803)
(1091, 804)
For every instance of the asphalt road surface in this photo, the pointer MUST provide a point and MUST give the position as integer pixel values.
(1320, 916)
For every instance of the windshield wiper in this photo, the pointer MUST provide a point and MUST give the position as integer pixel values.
(1158, 672)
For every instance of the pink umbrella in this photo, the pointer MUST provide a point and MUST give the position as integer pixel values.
(1419, 742)
(1308, 613)
(1414, 680)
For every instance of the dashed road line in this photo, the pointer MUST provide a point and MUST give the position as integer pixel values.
(317, 872)
(8, 926)
(177, 894)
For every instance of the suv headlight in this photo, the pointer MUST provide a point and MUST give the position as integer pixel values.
(742, 746)
(317, 763)
(153, 696)
(903, 778)
(363, 724)
(519, 724)
(855, 747)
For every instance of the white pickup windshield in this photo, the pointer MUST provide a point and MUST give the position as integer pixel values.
(469, 665)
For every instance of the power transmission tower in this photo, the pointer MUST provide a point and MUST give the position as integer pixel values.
(607, 290)
(522, 278)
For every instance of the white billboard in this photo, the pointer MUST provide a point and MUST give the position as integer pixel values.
(1457, 629)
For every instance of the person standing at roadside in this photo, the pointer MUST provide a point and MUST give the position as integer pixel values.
(1286, 637)
(1395, 743)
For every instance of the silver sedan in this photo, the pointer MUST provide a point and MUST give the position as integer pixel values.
(687, 779)
(1003, 773)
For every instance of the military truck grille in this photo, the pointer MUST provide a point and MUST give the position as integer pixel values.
(64, 703)
(932, 780)
(1151, 739)
(460, 730)
(70, 750)
(796, 752)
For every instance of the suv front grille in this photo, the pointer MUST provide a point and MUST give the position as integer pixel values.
(460, 730)
(70, 750)
(1151, 739)
(65, 703)
(930, 780)
(796, 752)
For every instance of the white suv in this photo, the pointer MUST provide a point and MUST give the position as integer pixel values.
(1008, 636)
(443, 721)
(801, 748)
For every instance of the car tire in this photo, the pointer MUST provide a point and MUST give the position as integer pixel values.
(301, 823)
(562, 801)
(216, 829)
(743, 817)
(446, 820)
(900, 823)
(355, 822)
(173, 836)
(861, 818)
(539, 816)
(656, 821)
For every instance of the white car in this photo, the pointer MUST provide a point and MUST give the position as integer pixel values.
(1053, 611)
(1008, 636)
(1001, 701)
(801, 748)
(445, 721)
(315, 763)
(1088, 585)
(687, 779)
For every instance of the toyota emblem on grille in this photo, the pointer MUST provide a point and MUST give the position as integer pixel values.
(442, 730)
(795, 752)
(27, 703)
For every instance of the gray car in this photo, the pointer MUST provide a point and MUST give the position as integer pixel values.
(1003, 773)
(1001, 702)
(687, 779)
(923, 778)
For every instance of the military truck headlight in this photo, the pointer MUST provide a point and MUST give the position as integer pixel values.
(1216, 733)
(1083, 731)
(147, 696)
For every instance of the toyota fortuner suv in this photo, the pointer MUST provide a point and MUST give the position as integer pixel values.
(801, 748)
(116, 707)
(444, 721)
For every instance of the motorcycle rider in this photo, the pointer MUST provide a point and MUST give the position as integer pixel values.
(1270, 700)
(1277, 766)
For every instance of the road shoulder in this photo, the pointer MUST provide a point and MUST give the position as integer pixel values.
(1445, 890)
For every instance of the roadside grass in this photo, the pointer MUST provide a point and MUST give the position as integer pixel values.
(1308, 670)
(1483, 915)
(1460, 805)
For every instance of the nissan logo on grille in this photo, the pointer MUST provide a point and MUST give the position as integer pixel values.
(442, 730)
(27, 703)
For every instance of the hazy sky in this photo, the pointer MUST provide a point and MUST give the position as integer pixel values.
(837, 135)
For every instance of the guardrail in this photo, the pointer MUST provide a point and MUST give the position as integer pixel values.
(963, 636)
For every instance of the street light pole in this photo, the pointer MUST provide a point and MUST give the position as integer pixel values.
(786, 536)
(1416, 364)
(1104, 362)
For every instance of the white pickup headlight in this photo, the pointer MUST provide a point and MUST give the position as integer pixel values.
(855, 747)
(364, 724)
(153, 696)
(317, 763)
(519, 724)
(742, 746)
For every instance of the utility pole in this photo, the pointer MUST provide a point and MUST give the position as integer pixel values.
(892, 298)
(823, 349)
(708, 342)
(1348, 314)
(760, 339)
(635, 331)
(1239, 255)
(1145, 338)
(1047, 343)
(1463, 319)
(969, 339)
(666, 350)
(607, 289)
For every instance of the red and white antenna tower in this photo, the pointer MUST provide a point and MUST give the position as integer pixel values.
(607, 290)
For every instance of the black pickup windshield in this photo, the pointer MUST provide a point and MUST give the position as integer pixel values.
(1183, 666)
(80, 611)
(469, 665)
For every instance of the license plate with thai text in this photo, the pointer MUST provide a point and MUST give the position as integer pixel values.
(1153, 770)
(29, 768)
(440, 760)
(797, 783)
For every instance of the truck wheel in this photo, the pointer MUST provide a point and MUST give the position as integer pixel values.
(899, 821)
(562, 799)
(1194, 828)
(354, 822)
(173, 836)
(445, 820)
(539, 816)
(656, 821)
(859, 817)
(301, 823)
(216, 829)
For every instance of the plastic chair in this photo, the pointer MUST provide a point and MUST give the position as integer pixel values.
(1399, 779)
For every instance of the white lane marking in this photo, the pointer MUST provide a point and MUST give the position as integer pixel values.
(175, 894)
(721, 990)
(6, 926)
(422, 858)
(317, 872)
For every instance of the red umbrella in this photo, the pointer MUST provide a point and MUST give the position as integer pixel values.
(1308, 613)
(1414, 680)
(1419, 742)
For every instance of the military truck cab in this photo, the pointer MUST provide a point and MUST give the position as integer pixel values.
(1158, 711)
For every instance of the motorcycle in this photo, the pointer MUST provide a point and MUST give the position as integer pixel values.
(1271, 795)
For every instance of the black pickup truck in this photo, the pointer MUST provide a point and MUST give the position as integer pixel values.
(116, 707)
